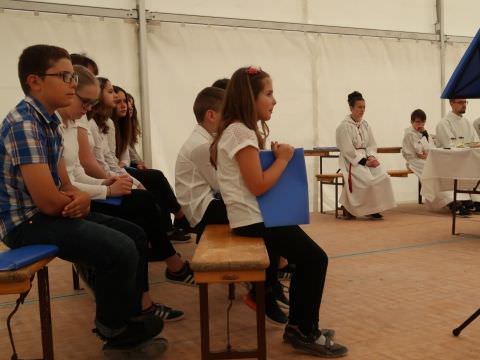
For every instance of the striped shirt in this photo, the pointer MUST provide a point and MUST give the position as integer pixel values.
(28, 135)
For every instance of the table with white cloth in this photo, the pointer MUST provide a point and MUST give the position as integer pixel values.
(456, 169)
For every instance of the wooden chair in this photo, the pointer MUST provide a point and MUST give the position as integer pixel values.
(222, 257)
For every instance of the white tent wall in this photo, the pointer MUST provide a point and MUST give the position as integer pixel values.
(312, 72)
(111, 42)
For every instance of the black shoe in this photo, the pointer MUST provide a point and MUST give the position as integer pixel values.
(136, 333)
(376, 216)
(273, 313)
(282, 300)
(309, 344)
(286, 272)
(164, 312)
(463, 211)
(179, 236)
(183, 277)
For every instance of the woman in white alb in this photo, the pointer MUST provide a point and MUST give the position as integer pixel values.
(367, 189)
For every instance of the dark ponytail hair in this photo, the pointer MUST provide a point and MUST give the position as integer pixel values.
(354, 97)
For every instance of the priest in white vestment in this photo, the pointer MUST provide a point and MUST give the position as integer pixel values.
(454, 130)
(416, 145)
(367, 189)
(476, 126)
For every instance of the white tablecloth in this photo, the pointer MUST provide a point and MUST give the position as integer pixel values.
(443, 166)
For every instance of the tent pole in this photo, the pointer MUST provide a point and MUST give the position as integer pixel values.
(440, 28)
(144, 90)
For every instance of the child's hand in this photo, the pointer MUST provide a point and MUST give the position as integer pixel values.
(282, 151)
(372, 162)
(422, 156)
(79, 207)
(121, 186)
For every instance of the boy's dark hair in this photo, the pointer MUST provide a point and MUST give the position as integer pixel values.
(36, 60)
(418, 114)
(221, 83)
(210, 98)
(85, 61)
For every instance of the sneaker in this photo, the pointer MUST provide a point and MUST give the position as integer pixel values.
(179, 236)
(286, 272)
(183, 277)
(280, 297)
(273, 313)
(137, 332)
(317, 344)
(167, 314)
(376, 216)
(149, 349)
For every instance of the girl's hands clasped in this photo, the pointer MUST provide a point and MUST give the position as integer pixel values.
(282, 151)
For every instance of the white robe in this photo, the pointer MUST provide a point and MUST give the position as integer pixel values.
(454, 126)
(476, 126)
(415, 143)
(370, 190)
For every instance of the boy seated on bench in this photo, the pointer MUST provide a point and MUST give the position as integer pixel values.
(415, 148)
(38, 204)
(196, 183)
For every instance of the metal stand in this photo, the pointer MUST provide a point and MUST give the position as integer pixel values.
(459, 329)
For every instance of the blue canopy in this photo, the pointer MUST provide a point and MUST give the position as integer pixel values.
(465, 80)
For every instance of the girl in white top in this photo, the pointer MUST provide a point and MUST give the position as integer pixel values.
(367, 189)
(235, 153)
(137, 206)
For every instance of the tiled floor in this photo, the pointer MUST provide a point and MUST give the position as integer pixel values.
(395, 290)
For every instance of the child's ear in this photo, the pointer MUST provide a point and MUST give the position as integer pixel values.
(34, 82)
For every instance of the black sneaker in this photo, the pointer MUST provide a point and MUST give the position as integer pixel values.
(310, 344)
(286, 272)
(179, 236)
(282, 300)
(183, 277)
(273, 313)
(164, 312)
(376, 216)
(137, 332)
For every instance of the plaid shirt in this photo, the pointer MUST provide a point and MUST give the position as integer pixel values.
(28, 135)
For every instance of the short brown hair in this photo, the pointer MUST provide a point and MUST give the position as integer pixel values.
(85, 61)
(210, 98)
(36, 60)
(418, 114)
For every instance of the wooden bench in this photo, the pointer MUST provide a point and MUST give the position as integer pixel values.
(18, 280)
(222, 257)
(336, 179)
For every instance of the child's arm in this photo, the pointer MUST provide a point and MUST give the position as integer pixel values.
(43, 190)
(257, 180)
(87, 159)
(79, 206)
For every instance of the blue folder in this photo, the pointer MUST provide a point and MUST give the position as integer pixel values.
(286, 203)
(14, 259)
(112, 200)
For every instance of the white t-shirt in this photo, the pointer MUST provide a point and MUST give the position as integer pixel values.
(195, 177)
(75, 171)
(242, 205)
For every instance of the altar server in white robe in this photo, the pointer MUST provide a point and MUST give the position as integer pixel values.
(367, 188)
(454, 129)
(416, 145)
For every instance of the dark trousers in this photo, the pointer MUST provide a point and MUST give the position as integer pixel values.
(140, 208)
(155, 182)
(308, 279)
(216, 213)
(115, 248)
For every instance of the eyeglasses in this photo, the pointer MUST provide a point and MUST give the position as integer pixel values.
(87, 103)
(67, 76)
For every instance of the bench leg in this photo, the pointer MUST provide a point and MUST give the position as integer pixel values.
(45, 315)
(454, 212)
(75, 280)
(419, 192)
(261, 340)
(204, 322)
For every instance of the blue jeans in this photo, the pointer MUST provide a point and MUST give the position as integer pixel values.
(115, 248)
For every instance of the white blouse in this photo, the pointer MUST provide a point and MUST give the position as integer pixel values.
(242, 205)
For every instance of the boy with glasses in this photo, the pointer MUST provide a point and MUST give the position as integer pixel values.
(38, 204)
